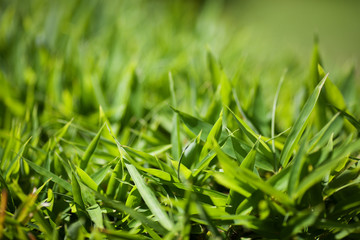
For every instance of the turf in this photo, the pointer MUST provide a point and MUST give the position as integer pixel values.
(118, 123)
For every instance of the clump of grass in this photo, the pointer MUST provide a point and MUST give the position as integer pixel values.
(98, 140)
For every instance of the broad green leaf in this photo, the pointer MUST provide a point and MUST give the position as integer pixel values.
(300, 124)
(180, 168)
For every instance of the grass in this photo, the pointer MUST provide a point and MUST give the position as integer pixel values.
(117, 127)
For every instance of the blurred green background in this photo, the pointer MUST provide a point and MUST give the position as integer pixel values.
(67, 50)
(288, 27)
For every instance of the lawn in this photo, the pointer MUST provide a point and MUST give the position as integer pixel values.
(160, 120)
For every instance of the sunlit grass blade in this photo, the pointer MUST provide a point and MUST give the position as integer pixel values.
(149, 198)
(214, 133)
(133, 213)
(14, 166)
(90, 149)
(300, 124)
(249, 160)
(86, 179)
(117, 173)
(273, 118)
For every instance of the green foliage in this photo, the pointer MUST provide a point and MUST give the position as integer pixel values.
(119, 123)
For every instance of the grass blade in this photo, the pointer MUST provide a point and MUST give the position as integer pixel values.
(175, 134)
(300, 124)
(273, 118)
(63, 183)
(90, 149)
(149, 197)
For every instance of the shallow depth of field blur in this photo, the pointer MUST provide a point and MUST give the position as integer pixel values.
(179, 119)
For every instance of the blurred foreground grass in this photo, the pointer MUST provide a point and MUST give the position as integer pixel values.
(118, 121)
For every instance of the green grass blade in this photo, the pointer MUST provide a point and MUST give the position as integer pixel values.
(63, 183)
(273, 117)
(86, 179)
(117, 173)
(14, 166)
(76, 192)
(249, 160)
(214, 133)
(99, 176)
(350, 118)
(209, 222)
(300, 124)
(90, 149)
(133, 213)
(149, 197)
(316, 175)
(252, 135)
(119, 234)
(333, 94)
(195, 125)
(250, 178)
(296, 168)
(175, 134)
